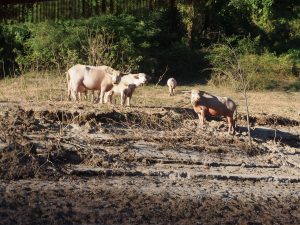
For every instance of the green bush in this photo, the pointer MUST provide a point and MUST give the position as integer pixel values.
(262, 34)
(12, 39)
(262, 71)
(120, 41)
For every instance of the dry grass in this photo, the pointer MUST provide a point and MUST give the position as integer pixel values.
(34, 86)
(52, 87)
(286, 104)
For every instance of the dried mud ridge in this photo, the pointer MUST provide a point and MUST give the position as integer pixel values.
(145, 165)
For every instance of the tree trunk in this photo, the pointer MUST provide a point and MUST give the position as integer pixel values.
(172, 3)
(97, 8)
(83, 8)
(103, 6)
(151, 5)
(111, 6)
(244, 85)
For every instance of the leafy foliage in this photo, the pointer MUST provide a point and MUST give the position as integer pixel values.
(186, 37)
(262, 71)
(117, 40)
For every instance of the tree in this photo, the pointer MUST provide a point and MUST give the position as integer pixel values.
(227, 63)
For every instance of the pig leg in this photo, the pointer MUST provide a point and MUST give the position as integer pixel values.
(81, 94)
(98, 98)
(203, 112)
(123, 98)
(79, 91)
(201, 116)
(106, 96)
(85, 95)
(92, 96)
(101, 96)
(200, 119)
(109, 97)
(75, 94)
(128, 100)
(235, 119)
(69, 92)
(231, 126)
(95, 99)
(73, 90)
(170, 90)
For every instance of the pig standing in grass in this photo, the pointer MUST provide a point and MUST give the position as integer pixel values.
(126, 87)
(125, 92)
(208, 104)
(81, 78)
(172, 85)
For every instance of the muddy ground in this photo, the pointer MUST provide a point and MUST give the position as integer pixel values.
(63, 163)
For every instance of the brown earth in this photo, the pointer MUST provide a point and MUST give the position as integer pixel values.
(63, 163)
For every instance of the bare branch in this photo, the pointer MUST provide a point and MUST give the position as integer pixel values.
(98, 47)
(162, 76)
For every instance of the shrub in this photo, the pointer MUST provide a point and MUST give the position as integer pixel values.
(11, 46)
(117, 41)
(263, 71)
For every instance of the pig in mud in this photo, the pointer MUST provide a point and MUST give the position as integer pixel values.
(208, 104)
(81, 78)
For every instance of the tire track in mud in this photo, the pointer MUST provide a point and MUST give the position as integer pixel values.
(158, 142)
(129, 166)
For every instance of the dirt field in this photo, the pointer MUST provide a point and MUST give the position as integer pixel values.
(66, 163)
